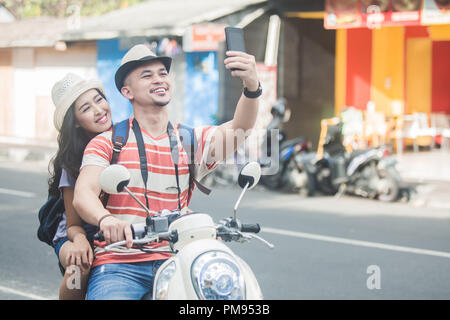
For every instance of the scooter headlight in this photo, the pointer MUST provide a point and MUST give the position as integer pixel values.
(216, 276)
(162, 285)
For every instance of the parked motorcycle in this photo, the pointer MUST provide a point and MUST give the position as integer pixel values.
(202, 266)
(369, 173)
(291, 175)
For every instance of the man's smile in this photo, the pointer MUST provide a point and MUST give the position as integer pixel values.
(161, 91)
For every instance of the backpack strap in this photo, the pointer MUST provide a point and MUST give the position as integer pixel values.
(189, 142)
(119, 139)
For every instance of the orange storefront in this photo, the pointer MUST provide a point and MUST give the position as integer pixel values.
(390, 59)
(392, 53)
(410, 64)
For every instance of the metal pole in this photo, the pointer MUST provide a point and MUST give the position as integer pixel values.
(239, 200)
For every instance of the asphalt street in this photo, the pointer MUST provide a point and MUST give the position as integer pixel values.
(325, 248)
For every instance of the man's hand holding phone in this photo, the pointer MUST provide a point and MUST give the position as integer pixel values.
(245, 66)
(241, 64)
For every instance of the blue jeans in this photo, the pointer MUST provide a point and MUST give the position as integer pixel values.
(122, 281)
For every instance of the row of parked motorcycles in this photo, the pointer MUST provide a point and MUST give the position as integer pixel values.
(369, 173)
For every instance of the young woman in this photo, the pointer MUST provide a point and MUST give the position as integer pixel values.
(81, 113)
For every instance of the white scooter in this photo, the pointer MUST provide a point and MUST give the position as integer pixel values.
(202, 266)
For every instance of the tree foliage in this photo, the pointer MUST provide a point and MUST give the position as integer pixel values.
(62, 8)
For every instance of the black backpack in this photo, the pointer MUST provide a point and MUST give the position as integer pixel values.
(50, 214)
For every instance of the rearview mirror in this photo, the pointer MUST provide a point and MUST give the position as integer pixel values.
(250, 175)
(114, 179)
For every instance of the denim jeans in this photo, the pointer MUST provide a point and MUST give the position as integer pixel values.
(122, 281)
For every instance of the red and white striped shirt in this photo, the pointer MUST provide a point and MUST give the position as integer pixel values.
(161, 184)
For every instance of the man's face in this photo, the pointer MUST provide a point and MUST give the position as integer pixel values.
(149, 84)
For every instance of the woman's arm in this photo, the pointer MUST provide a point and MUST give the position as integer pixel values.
(81, 252)
(74, 222)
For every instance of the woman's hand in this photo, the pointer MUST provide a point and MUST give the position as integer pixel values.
(80, 254)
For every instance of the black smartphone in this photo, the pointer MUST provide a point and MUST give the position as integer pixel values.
(235, 40)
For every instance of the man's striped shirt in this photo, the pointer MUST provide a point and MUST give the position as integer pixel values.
(161, 184)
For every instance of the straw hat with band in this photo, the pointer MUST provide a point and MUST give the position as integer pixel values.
(66, 91)
(135, 57)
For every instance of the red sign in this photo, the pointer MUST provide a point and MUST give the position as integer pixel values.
(371, 13)
(203, 37)
(342, 14)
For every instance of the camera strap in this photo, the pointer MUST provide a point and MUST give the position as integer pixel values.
(143, 157)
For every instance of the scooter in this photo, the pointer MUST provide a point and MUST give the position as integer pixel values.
(291, 175)
(370, 173)
(202, 266)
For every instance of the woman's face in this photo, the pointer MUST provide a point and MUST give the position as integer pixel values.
(92, 112)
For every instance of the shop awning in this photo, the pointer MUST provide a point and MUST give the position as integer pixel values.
(158, 18)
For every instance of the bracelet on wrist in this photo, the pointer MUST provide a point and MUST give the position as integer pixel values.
(104, 217)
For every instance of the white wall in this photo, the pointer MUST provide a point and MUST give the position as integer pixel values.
(24, 89)
(35, 73)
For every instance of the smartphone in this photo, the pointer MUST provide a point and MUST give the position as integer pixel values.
(235, 40)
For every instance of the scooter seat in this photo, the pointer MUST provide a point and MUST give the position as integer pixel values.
(356, 153)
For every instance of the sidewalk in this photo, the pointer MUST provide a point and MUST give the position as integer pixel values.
(420, 167)
(25, 154)
(425, 166)
(431, 171)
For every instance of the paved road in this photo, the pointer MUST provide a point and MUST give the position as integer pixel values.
(325, 248)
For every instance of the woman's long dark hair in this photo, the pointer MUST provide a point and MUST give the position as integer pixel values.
(72, 140)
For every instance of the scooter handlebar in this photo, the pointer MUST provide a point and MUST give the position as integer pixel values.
(169, 236)
(99, 236)
(252, 227)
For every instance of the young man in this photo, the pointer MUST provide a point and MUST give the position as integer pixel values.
(143, 78)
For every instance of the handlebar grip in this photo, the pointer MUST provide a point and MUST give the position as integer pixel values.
(172, 236)
(99, 236)
(253, 228)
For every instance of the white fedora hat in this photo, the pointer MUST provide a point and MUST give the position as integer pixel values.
(66, 91)
(136, 56)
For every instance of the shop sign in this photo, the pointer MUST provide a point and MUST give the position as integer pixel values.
(372, 13)
(203, 37)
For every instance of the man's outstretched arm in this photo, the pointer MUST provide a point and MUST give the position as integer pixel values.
(246, 110)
